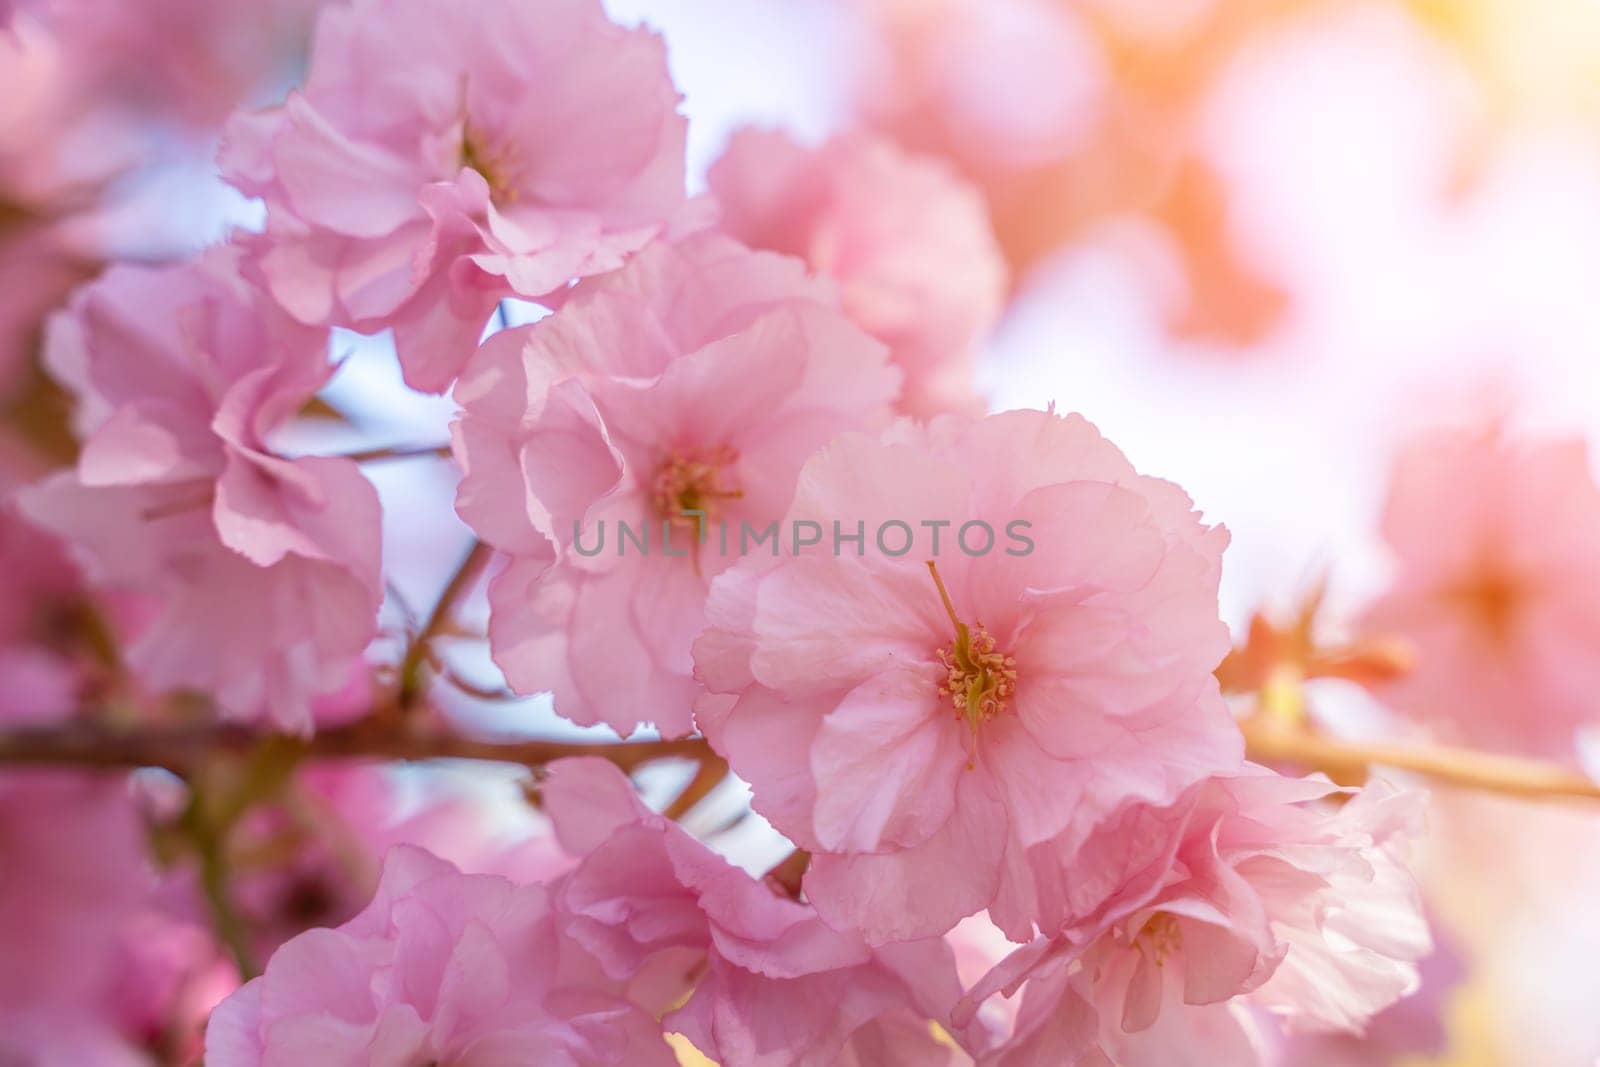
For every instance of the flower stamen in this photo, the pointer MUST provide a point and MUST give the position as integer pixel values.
(1161, 936)
(688, 486)
(979, 679)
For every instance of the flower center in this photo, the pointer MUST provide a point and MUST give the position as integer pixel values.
(1494, 600)
(1161, 936)
(694, 482)
(979, 679)
(490, 163)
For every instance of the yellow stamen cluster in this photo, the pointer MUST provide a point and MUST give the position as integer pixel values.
(979, 679)
(494, 166)
(693, 482)
(1162, 936)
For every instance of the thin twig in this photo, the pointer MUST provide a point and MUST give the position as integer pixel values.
(1268, 742)
(181, 748)
(713, 770)
(411, 668)
(208, 842)
(373, 455)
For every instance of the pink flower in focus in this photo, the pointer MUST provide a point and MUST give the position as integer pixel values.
(444, 154)
(920, 746)
(181, 376)
(1497, 543)
(699, 377)
(442, 967)
(908, 241)
(1248, 886)
(771, 984)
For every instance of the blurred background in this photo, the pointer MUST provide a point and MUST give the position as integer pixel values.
(1260, 243)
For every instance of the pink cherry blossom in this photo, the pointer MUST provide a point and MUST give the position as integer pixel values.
(1250, 886)
(766, 981)
(181, 376)
(649, 933)
(908, 241)
(335, 859)
(444, 154)
(1497, 545)
(920, 731)
(74, 877)
(195, 60)
(699, 377)
(58, 144)
(39, 679)
(442, 967)
(1414, 1026)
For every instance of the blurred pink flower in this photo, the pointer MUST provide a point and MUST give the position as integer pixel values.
(771, 984)
(73, 879)
(443, 155)
(442, 967)
(181, 376)
(1249, 886)
(40, 681)
(1497, 543)
(39, 268)
(699, 377)
(193, 60)
(334, 824)
(59, 145)
(919, 757)
(908, 241)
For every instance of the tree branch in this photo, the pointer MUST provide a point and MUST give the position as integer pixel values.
(375, 455)
(1269, 742)
(179, 749)
(411, 668)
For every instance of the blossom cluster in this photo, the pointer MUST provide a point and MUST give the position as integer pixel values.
(1024, 827)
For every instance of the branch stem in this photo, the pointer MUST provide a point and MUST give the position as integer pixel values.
(1269, 742)
(411, 668)
(180, 749)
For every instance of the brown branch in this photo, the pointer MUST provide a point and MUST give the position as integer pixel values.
(375, 455)
(411, 668)
(788, 873)
(712, 771)
(179, 749)
(1269, 742)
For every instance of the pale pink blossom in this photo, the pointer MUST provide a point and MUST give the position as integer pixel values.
(908, 241)
(699, 377)
(442, 967)
(1412, 1027)
(760, 979)
(1252, 886)
(650, 933)
(444, 154)
(920, 747)
(1497, 547)
(263, 570)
